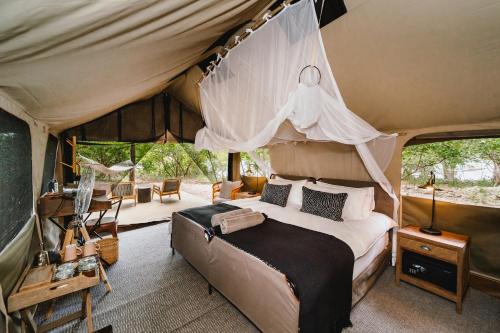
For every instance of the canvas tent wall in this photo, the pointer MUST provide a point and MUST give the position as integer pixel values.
(19, 242)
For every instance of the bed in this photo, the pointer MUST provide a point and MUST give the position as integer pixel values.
(262, 293)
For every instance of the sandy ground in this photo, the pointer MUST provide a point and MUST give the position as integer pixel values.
(202, 190)
(156, 211)
(474, 195)
(192, 195)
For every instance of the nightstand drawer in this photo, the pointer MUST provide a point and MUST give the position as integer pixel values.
(428, 249)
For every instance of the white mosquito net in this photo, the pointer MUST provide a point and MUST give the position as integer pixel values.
(87, 181)
(281, 72)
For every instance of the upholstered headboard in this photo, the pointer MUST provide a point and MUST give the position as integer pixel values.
(383, 202)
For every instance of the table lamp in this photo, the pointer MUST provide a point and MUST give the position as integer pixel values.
(430, 185)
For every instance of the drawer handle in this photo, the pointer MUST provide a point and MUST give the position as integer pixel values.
(425, 247)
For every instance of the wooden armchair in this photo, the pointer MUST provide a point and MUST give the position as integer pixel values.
(216, 187)
(124, 190)
(169, 187)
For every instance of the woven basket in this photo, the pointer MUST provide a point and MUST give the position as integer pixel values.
(108, 249)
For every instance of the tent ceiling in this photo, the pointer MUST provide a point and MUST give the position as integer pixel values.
(405, 65)
(418, 64)
(65, 63)
(399, 64)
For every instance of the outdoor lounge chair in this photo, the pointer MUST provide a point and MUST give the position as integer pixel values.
(218, 196)
(169, 187)
(124, 190)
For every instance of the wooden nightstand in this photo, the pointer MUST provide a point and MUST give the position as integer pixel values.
(439, 264)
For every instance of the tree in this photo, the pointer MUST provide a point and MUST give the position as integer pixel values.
(106, 154)
(183, 160)
(489, 150)
(167, 160)
(418, 160)
(249, 166)
(451, 154)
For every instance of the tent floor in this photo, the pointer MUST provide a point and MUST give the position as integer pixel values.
(155, 211)
(154, 291)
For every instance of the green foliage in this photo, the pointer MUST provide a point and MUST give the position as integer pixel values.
(158, 161)
(182, 160)
(419, 160)
(106, 154)
(249, 167)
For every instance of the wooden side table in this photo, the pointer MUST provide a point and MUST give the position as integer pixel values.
(440, 256)
(144, 193)
(24, 299)
(246, 195)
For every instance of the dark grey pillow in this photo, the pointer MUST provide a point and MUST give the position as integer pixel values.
(276, 194)
(323, 204)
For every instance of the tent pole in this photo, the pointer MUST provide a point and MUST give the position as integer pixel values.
(233, 166)
(67, 159)
(131, 175)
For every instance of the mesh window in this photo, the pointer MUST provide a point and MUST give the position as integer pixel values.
(104, 128)
(49, 164)
(16, 194)
(134, 130)
(142, 121)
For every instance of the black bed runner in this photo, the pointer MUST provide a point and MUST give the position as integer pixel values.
(203, 215)
(318, 265)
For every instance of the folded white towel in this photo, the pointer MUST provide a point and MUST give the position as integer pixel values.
(217, 218)
(239, 222)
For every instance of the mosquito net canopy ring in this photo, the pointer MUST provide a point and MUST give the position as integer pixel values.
(281, 73)
(310, 76)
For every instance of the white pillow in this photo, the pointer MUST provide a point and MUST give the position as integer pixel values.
(227, 187)
(356, 207)
(370, 192)
(295, 196)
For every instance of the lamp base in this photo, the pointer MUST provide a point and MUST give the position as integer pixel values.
(430, 231)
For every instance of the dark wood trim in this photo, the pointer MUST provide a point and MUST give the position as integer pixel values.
(131, 175)
(233, 166)
(485, 283)
(67, 157)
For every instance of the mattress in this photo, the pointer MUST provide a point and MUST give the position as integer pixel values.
(365, 260)
(360, 235)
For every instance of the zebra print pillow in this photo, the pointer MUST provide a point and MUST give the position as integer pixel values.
(276, 194)
(323, 204)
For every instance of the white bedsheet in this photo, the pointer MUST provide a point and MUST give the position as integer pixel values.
(365, 260)
(360, 235)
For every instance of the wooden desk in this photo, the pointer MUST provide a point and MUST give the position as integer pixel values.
(52, 205)
(23, 300)
(59, 205)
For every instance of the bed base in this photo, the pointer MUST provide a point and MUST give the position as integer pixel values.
(260, 292)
